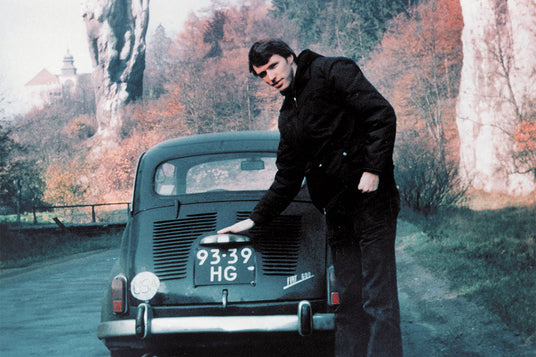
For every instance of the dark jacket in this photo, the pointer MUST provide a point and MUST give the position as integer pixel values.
(334, 125)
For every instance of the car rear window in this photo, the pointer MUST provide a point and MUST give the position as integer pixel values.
(229, 172)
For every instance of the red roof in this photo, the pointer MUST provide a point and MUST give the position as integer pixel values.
(43, 78)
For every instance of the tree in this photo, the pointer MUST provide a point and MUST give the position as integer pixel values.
(21, 185)
(158, 64)
(419, 64)
(217, 92)
(525, 139)
(499, 41)
(67, 181)
(56, 130)
(347, 27)
(305, 15)
(54, 139)
(213, 33)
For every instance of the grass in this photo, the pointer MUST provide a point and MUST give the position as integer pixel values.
(488, 255)
(22, 249)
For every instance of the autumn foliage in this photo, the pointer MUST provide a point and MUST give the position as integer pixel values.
(197, 82)
(525, 138)
(418, 66)
(206, 88)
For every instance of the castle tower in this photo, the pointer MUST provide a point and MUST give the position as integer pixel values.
(68, 77)
(68, 68)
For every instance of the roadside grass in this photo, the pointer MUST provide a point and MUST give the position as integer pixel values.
(489, 256)
(18, 249)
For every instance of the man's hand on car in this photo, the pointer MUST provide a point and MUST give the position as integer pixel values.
(238, 227)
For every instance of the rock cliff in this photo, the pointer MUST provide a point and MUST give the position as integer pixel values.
(116, 34)
(498, 83)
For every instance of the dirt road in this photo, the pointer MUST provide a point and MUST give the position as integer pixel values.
(437, 322)
(53, 309)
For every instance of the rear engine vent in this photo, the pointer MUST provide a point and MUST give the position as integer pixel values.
(172, 241)
(279, 244)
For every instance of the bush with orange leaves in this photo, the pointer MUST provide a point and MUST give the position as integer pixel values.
(67, 182)
(145, 124)
(525, 138)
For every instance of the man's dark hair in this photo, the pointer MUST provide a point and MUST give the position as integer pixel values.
(261, 51)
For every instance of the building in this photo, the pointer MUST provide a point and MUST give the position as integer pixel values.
(46, 86)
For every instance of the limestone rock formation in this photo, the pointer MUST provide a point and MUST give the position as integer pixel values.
(116, 33)
(498, 83)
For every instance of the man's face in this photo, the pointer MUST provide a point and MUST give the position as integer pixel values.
(278, 72)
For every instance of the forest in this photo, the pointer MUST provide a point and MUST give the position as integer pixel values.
(197, 82)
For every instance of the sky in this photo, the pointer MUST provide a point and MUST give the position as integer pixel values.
(36, 34)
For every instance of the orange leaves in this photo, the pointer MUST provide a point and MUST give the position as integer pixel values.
(67, 182)
(525, 136)
(525, 140)
(146, 125)
(81, 127)
(418, 67)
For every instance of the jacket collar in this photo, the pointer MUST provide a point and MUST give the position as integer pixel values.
(304, 60)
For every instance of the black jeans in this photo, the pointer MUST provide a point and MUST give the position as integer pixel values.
(362, 231)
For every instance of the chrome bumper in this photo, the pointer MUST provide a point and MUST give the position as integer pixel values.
(144, 325)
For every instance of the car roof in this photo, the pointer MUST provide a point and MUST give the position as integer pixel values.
(215, 143)
(204, 144)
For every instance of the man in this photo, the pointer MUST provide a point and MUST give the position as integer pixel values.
(339, 132)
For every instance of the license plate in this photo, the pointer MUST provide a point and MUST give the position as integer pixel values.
(217, 266)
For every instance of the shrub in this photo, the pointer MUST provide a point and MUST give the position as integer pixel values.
(426, 179)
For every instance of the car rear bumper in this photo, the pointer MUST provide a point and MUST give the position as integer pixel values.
(304, 322)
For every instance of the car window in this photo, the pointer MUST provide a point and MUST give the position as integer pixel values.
(165, 179)
(246, 172)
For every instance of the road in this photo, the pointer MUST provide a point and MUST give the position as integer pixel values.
(52, 309)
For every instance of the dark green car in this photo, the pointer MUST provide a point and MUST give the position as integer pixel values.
(179, 286)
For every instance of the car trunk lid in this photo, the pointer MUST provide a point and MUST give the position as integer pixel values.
(281, 261)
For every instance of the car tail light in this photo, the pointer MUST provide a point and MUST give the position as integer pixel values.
(333, 294)
(119, 294)
(335, 298)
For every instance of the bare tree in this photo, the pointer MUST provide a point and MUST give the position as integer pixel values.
(502, 53)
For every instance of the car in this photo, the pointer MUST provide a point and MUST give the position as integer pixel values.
(178, 286)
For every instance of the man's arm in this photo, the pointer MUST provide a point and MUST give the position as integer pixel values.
(286, 185)
(373, 112)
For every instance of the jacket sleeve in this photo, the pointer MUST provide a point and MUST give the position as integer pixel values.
(287, 183)
(374, 114)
